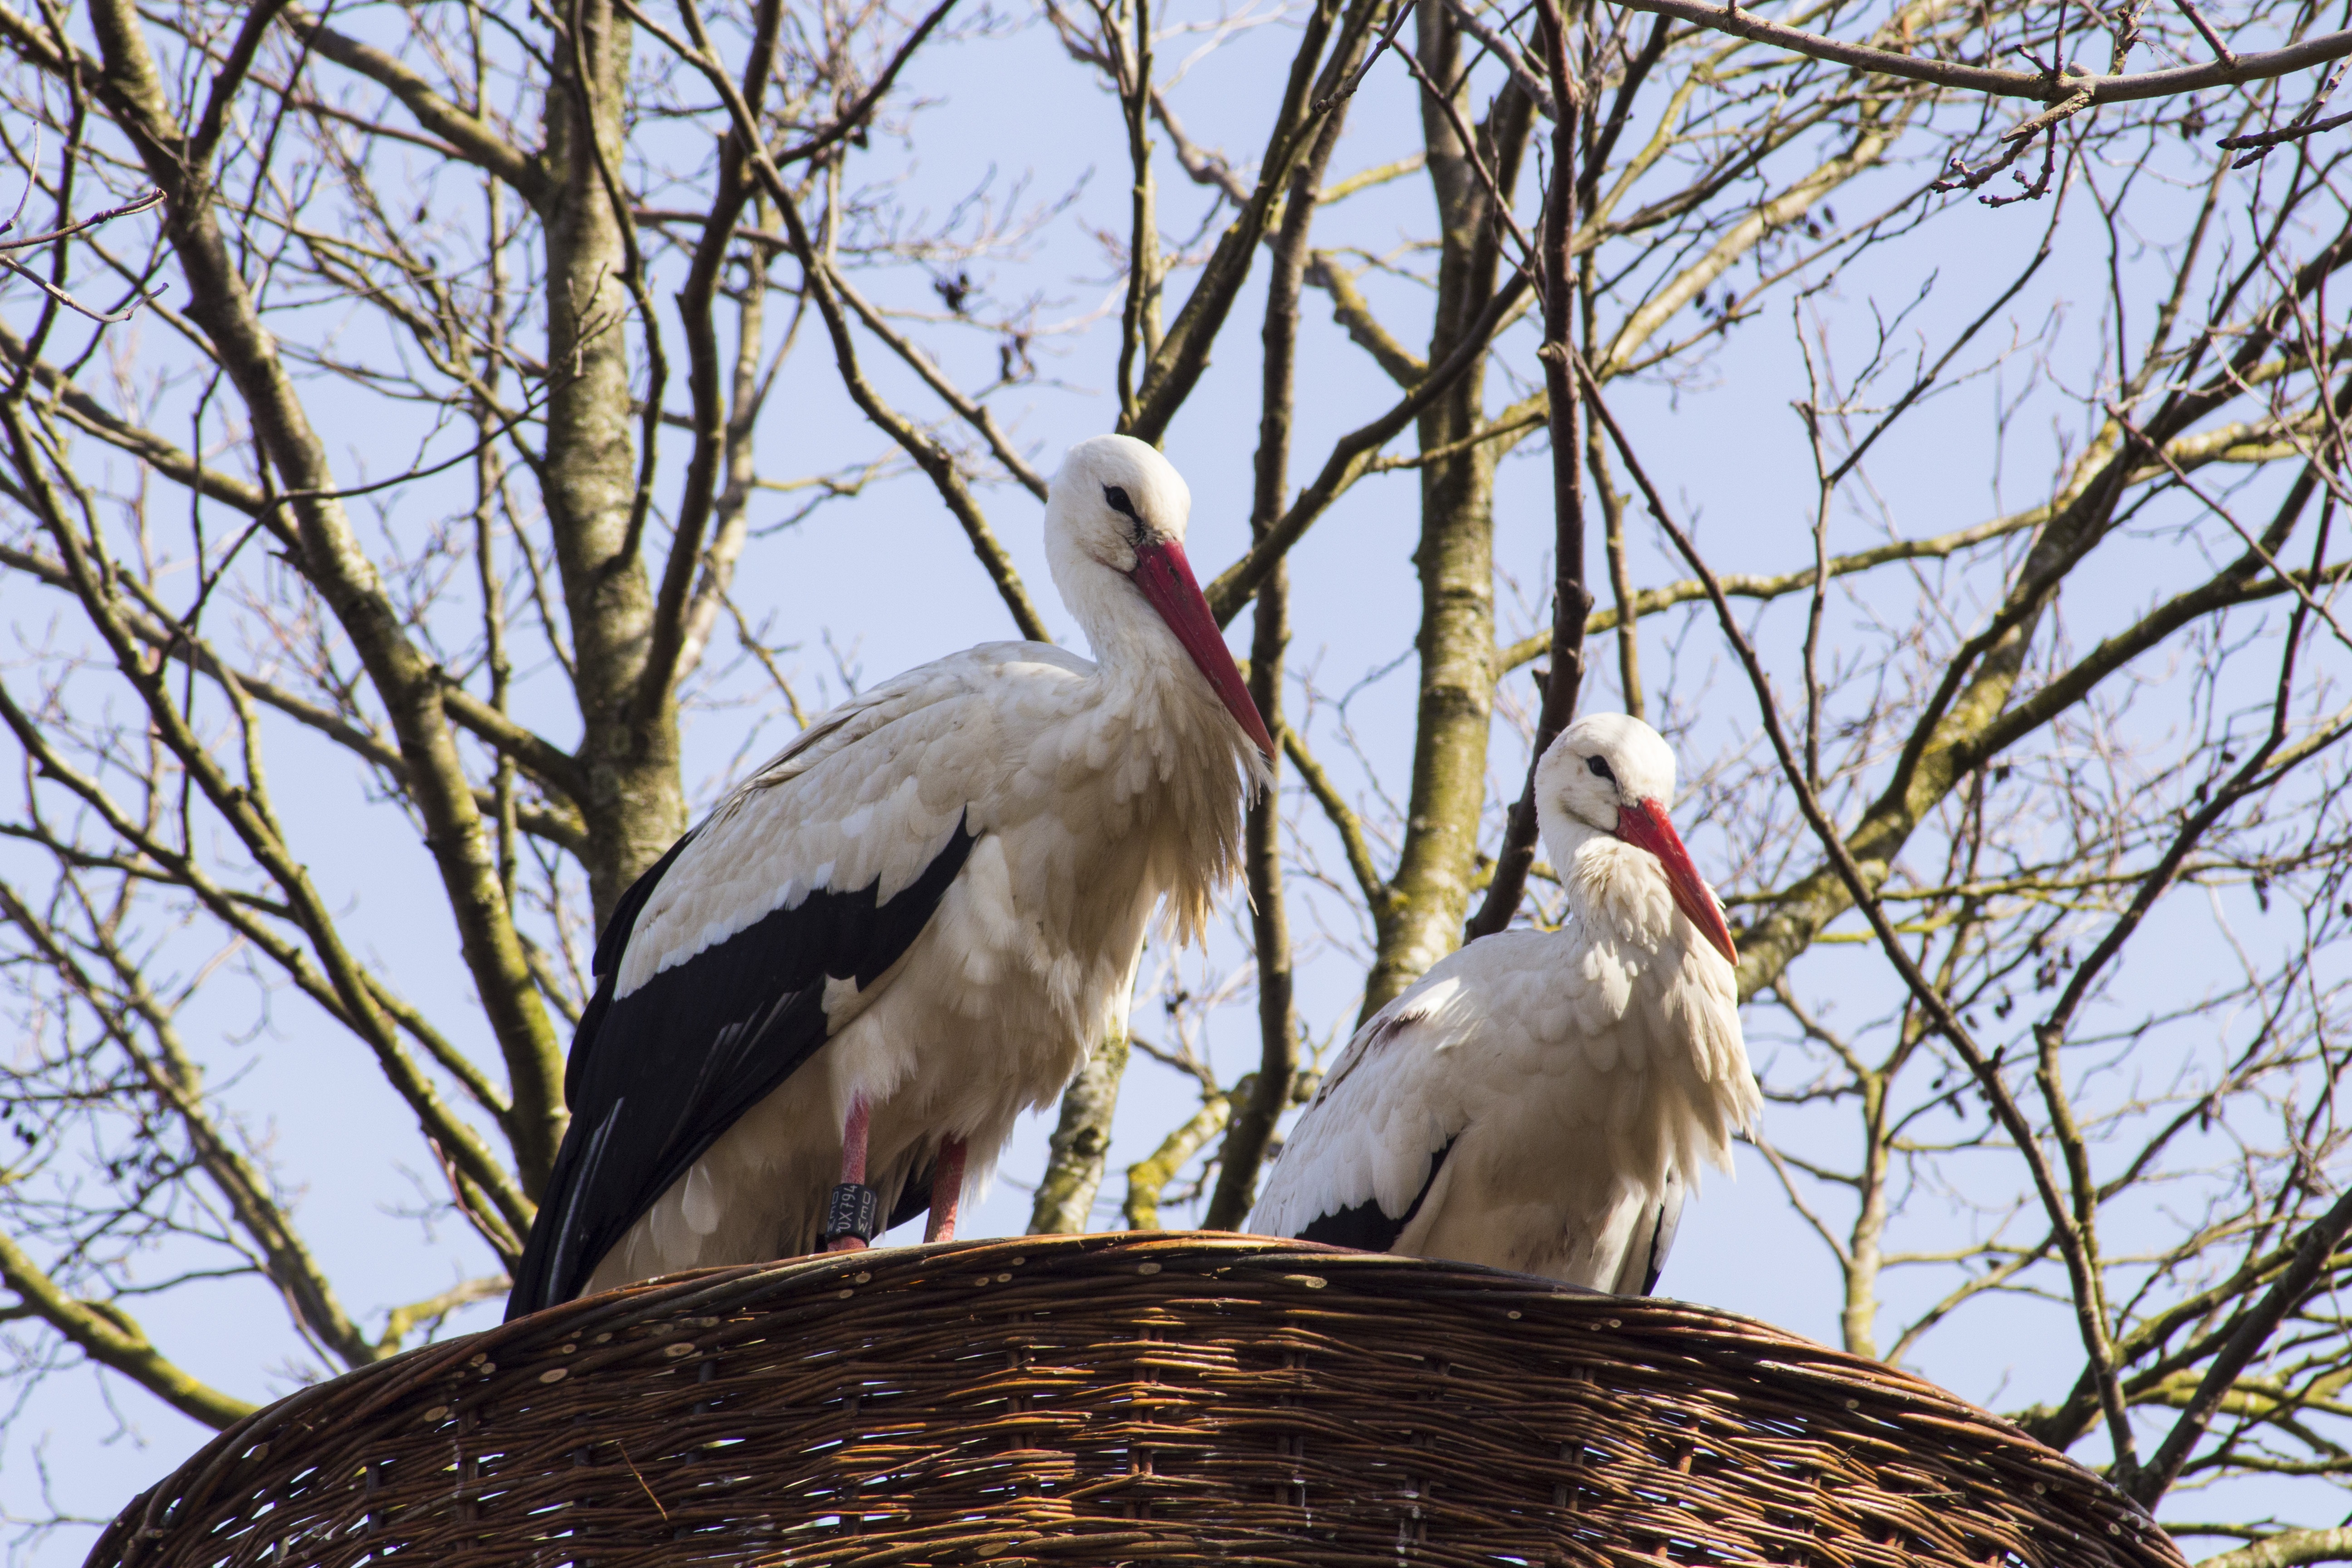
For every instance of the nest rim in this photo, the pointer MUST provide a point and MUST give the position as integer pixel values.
(558, 1353)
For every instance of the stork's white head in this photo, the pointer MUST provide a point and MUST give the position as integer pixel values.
(1115, 520)
(1609, 774)
(1115, 495)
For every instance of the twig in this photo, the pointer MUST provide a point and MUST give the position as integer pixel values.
(1510, 424)
(2265, 140)
(2252, 544)
(1926, 379)
(146, 201)
(1504, 51)
(2205, 30)
(2000, 83)
(103, 317)
(1343, 818)
(1346, 89)
(928, 454)
(1963, 178)
(703, 58)
(858, 111)
(974, 412)
(1352, 454)
(2064, 109)
(1498, 201)
(407, 476)
(2303, 125)
(1740, 585)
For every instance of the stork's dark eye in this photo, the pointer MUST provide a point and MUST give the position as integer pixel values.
(1118, 501)
(1600, 768)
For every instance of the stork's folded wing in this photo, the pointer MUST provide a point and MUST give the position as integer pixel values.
(657, 1075)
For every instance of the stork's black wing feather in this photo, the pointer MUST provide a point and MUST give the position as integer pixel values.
(605, 963)
(1364, 1226)
(1662, 1234)
(655, 1076)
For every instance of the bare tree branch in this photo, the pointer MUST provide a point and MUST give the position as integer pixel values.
(1995, 82)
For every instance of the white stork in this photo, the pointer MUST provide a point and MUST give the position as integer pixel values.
(910, 925)
(1541, 1101)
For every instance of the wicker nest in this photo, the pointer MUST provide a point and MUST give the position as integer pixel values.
(1164, 1399)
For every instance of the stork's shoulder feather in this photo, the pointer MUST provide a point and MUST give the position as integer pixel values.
(986, 670)
(867, 797)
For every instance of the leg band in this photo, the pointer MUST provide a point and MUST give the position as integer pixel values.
(854, 1210)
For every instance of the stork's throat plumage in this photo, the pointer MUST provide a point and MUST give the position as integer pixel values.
(1616, 890)
(1165, 753)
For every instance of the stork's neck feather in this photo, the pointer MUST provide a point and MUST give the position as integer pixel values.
(1139, 659)
(1612, 886)
(1153, 724)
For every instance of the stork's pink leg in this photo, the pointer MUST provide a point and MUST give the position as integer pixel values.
(947, 1190)
(853, 1175)
(853, 1144)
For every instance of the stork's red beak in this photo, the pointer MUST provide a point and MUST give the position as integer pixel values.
(1166, 579)
(1647, 826)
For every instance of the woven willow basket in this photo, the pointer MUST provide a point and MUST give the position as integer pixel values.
(1161, 1399)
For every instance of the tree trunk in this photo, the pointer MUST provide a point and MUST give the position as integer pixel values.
(635, 804)
(1438, 862)
(1080, 1144)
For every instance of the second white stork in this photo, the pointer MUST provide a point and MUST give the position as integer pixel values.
(830, 1001)
(1543, 1101)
